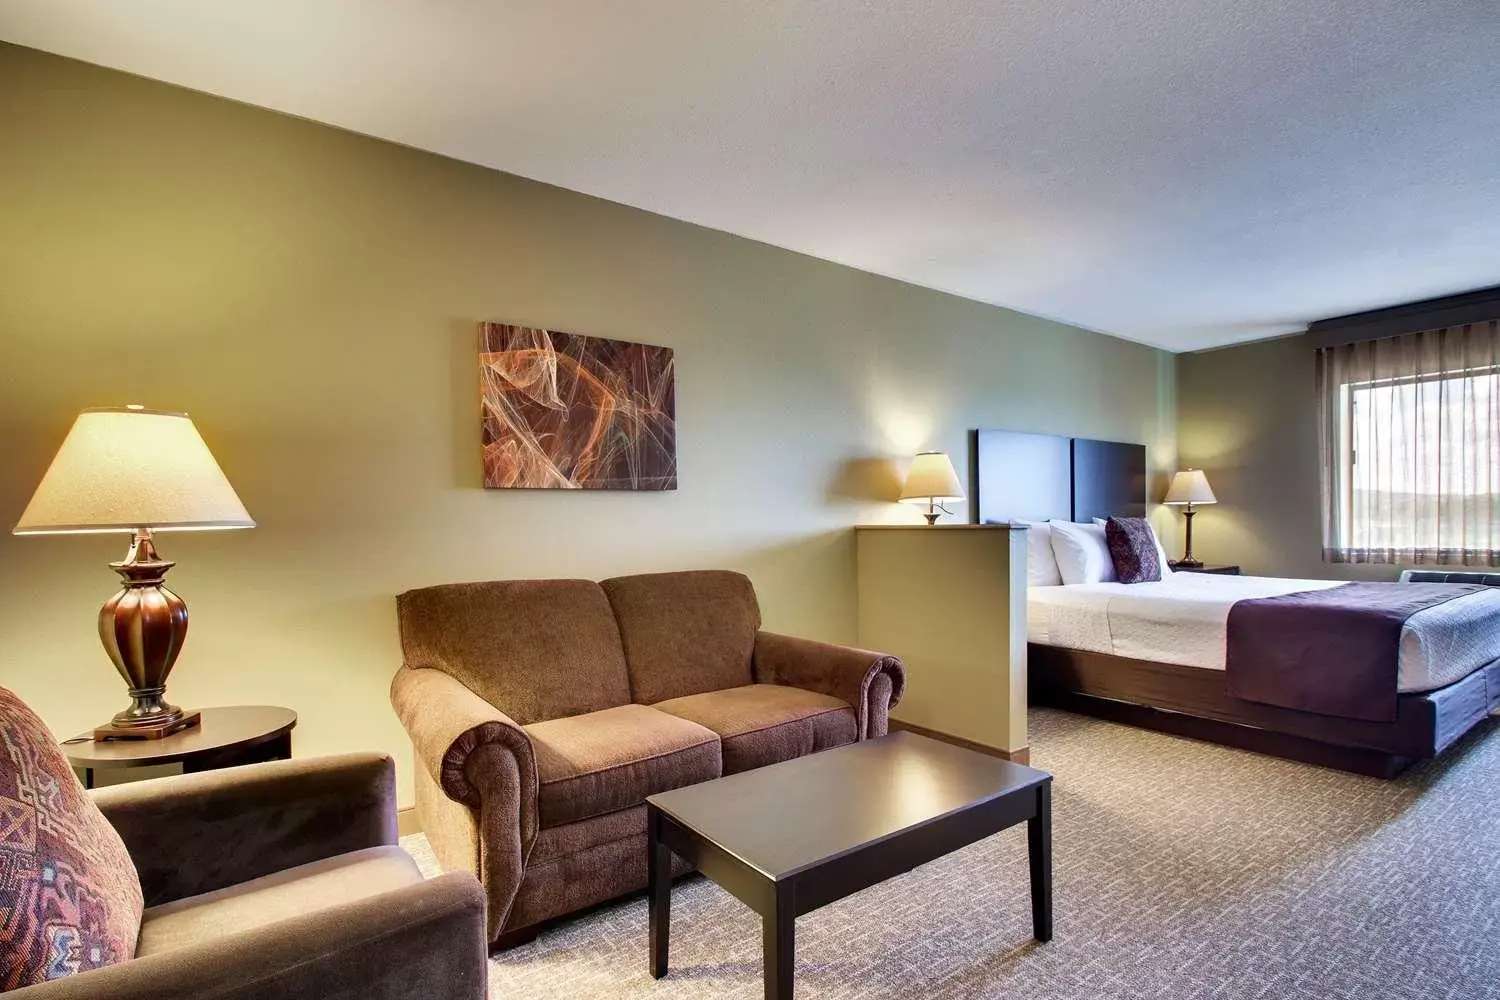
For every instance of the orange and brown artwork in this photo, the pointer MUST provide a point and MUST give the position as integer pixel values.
(564, 411)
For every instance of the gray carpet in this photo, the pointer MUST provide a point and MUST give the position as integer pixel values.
(1182, 870)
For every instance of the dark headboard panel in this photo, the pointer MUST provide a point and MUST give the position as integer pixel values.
(1109, 479)
(1040, 477)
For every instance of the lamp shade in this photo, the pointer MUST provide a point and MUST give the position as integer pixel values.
(931, 477)
(1189, 486)
(120, 469)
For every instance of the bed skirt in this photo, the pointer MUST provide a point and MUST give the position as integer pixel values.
(1195, 702)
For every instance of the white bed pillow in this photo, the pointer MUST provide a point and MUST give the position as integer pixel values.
(1161, 552)
(1041, 564)
(1081, 552)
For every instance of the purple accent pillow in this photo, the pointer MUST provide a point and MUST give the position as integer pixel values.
(70, 899)
(1132, 548)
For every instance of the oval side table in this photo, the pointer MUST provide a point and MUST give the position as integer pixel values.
(226, 737)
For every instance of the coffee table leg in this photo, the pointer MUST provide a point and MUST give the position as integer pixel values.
(780, 947)
(659, 878)
(1039, 844)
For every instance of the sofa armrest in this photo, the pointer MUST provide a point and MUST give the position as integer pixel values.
(409, 944)
(194, 833)
(872, 683)
(480, 757)
(448, 724)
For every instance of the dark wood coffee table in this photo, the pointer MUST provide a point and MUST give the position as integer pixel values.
(792, 837)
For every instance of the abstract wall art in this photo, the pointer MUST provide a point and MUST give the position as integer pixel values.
(565, 411)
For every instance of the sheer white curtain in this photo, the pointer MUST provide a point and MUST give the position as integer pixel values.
(1410, 441)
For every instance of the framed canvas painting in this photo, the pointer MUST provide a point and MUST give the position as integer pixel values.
(570, 412)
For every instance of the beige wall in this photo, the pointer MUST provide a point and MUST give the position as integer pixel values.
(964, 648)
(311, 298)
(1247, 416)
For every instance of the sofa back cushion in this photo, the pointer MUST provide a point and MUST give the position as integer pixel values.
(685, 633)
(535, 649)
(69, 894)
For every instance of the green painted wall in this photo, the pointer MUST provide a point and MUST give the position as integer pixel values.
(311, 296)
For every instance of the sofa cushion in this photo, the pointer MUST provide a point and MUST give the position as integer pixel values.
(70, 900)
(273, 898)
(535, 649)
(685, 633)
(601, 762)
(761, 724)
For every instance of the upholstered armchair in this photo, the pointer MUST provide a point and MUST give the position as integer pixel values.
(542, 714)
(270, 881)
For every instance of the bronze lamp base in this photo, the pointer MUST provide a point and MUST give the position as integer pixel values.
(1187, 561)
(142, 628)
(147, 731)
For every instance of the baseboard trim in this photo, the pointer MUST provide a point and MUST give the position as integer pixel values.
(1019, 756)
(407, 822)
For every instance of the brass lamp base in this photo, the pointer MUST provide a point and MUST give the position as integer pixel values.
(115, 730)
(933, 510)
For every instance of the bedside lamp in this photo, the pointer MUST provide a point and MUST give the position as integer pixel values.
(1189, 487)
(931, 480)
(137, 471)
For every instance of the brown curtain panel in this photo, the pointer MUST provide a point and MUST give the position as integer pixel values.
(1410, 437)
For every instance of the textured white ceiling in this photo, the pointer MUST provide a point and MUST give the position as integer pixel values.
(1186, 173)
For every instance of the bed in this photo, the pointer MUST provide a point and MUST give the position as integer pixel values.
(1154, 654)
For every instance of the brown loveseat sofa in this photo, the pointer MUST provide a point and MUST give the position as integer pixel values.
(544, 712)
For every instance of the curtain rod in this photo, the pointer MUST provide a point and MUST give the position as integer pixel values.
(1477, 306)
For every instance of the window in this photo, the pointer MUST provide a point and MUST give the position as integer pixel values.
(1411, 448)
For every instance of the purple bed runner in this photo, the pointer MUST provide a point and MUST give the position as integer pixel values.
(1334, 652)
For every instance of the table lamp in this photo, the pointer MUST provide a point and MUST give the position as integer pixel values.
(1187, 488)
(931, 480)
(137, 471)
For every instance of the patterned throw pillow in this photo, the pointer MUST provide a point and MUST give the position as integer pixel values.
(1132, 548)
(70, 899)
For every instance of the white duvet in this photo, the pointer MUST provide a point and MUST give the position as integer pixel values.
(1183, 620)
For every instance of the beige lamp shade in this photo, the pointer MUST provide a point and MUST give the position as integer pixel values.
(120, 469)
(931, 478)
(1189, 486)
